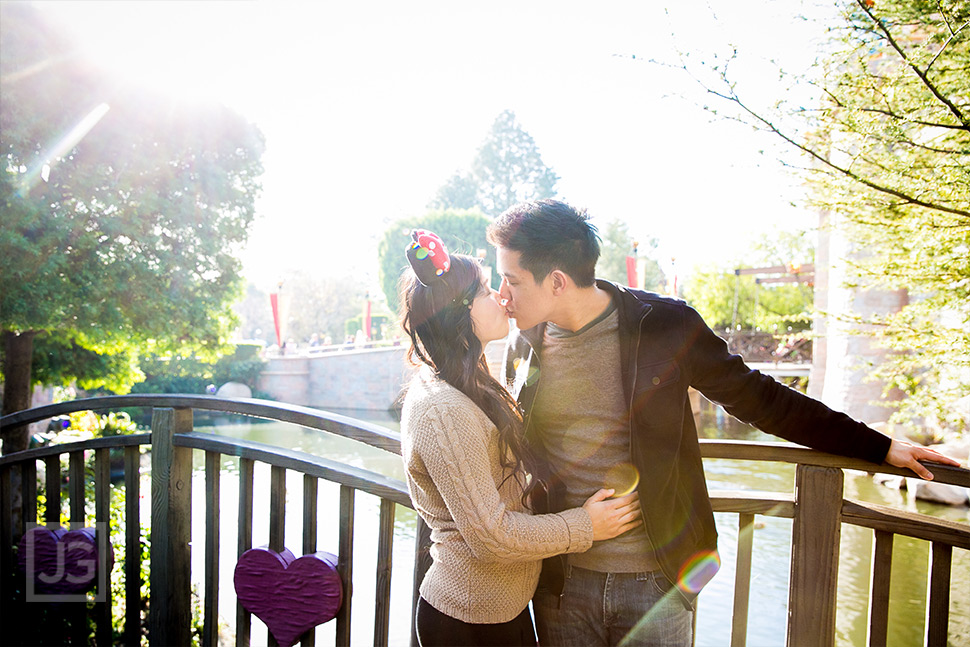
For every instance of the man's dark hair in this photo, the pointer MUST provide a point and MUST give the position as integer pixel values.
(549, 235)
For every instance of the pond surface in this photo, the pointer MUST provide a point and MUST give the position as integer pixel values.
(769, 590)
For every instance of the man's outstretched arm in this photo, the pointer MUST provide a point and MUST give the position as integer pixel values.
(906, 455)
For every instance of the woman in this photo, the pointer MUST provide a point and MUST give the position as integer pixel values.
(468, 469)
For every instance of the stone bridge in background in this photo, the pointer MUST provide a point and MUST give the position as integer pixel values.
(373, 378)
(368, 378)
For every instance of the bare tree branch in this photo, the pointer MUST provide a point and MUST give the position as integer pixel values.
(733, 98)
(953, 34)
(962, 118)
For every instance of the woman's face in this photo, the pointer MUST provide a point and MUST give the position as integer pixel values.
(489, 319)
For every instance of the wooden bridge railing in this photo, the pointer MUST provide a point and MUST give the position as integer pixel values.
(172, 442)
(816, 506)
(818, 510)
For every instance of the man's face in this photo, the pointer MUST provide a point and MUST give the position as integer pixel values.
(528, 302)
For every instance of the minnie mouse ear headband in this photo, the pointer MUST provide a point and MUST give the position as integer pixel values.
(427, 256)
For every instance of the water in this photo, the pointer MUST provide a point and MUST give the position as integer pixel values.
(769, 588)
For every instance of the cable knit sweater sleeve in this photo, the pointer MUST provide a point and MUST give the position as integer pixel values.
(455, 443)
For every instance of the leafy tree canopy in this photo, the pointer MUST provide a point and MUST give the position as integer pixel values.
(896, 125)
(461, 230)
(785, 307)
(507, 169)
(889, 150)
(122, 211)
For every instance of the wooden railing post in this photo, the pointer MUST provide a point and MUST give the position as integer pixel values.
(170, 614)
(815, 556)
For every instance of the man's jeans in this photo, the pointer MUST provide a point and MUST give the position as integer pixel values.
(613, 609)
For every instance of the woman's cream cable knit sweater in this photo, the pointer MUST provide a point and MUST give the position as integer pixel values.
(486, 546)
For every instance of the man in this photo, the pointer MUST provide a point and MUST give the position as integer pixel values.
(602, 374)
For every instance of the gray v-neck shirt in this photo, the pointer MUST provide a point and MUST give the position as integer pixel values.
(582, 419)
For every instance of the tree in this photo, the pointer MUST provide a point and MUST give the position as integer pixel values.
(462, 231)
(120, 212)
(616, 244)
(507, 169)
(255, 315)
(889, 151)
(714, 290)
(321, 304)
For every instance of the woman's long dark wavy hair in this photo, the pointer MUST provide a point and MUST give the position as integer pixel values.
(437, 318)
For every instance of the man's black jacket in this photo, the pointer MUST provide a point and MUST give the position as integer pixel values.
(665, 347)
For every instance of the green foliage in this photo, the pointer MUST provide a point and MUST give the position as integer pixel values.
(121, 237)
(58, 361)
(462, 231)
(896, 128)
(773, 308)
(616, 244)
(507, 169)
(889, 151)
(192, 374)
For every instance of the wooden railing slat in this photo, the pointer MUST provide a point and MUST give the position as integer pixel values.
(310, 489)
(76, 488)
(52, 489)
(244, 541)
(815, 556)
(102, 515)
(938, 595)
(422, 562)
(132, 636)
(345, 563)
(28, 479)
(6, 537)
(385, 547)
(882, 563)
(277, 508)
(277, 520)
(742, 580)
(210, 622)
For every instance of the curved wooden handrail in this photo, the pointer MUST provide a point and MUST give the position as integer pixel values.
(359, 430)
(784, 452)
(355, 477)
(390, 441)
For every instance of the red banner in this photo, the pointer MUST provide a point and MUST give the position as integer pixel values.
(274, 301)
(631, 271)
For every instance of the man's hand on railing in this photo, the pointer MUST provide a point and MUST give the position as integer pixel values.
(905, 454)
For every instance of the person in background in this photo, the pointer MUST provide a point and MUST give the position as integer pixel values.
(602, 374)
(469, 472)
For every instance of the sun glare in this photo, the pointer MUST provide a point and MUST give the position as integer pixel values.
(148, 43)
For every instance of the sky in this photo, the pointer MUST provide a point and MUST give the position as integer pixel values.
(368, 107)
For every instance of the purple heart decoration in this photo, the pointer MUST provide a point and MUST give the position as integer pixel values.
(290, 595)
(61, 562)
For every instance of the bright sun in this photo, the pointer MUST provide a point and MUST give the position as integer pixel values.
(150, 43)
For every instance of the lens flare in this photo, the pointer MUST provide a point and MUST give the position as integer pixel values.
(60, 148)
(698, 571)
(623, 478)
